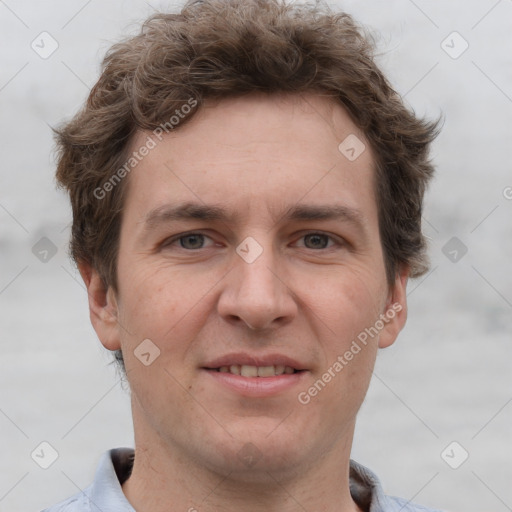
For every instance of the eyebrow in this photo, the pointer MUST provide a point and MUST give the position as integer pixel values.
(196, 211)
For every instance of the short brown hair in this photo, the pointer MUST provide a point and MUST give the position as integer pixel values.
(217, 49)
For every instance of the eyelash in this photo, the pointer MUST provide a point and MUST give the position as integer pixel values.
(177, 238)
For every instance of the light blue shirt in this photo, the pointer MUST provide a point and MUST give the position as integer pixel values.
(105, 494)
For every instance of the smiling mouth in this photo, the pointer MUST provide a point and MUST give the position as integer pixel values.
(256, 371)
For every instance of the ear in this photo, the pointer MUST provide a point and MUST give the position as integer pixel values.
(395, 310)
(103, 309)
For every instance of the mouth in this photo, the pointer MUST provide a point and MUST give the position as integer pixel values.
(256, 371)
(254, 376)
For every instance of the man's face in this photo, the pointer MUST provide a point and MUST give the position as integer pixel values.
(263, 287)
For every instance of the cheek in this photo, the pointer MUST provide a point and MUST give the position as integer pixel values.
(345, 310)
(346, 301)
(168, 306)
(156, 291)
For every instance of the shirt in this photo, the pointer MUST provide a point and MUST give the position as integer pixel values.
(105, 494)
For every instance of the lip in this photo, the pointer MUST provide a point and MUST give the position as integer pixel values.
(242, 358)
(257, 387)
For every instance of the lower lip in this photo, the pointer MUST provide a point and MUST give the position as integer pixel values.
(257, 386)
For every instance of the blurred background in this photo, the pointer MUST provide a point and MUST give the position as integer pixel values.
(436, 424)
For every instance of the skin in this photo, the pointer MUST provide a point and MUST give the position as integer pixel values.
(307, 298)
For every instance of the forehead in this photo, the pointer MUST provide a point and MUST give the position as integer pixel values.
(257, 153)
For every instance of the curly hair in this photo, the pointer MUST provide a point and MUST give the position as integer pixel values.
(218, 49)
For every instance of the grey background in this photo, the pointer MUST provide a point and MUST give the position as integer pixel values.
(447, 378)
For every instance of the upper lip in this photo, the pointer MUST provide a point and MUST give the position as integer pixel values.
(252, 360)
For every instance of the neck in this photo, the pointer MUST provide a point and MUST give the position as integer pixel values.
(164, 478)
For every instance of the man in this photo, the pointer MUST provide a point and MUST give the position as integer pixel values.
(252, 129)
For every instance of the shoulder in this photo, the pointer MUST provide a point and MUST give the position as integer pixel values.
(77, 503)
(105, 492)
(396, 504)
(367, 492)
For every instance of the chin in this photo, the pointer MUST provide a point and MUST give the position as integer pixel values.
(261, 448)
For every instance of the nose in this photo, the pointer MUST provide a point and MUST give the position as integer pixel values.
(256, 293)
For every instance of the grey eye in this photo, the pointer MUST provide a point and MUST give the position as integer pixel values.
(317, 239)
(196, 241)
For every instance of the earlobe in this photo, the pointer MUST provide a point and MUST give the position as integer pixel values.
(396, 310)
(102, 307)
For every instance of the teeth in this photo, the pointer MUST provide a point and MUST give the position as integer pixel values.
(248, 371)
(256, 371)
(279, 369)
(265, 371)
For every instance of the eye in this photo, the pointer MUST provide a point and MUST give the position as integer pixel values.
(195, 241)
(318, 240)
(188, 241)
